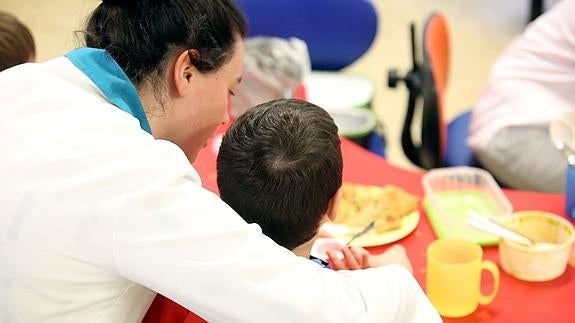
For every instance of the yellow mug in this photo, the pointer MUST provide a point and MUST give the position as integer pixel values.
(454, 276)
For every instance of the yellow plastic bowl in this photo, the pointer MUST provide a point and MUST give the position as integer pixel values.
(545, 260)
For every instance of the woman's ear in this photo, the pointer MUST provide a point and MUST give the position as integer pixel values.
(183, 73)
(333, 205)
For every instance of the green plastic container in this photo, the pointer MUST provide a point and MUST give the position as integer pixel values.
(452, 192)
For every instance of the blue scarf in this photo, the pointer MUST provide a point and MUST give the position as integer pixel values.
(101, 68)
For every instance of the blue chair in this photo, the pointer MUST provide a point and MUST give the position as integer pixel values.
(337, 33)
(440, 144)
(457, 153)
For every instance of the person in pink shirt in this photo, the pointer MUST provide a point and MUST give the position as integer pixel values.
(531, 85)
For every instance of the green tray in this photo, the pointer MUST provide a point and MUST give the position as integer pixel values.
(449, 220)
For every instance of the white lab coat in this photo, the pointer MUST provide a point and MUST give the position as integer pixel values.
(96, 216)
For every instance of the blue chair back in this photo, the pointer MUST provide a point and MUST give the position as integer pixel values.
(337, 32)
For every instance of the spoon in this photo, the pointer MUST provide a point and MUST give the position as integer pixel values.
(491, 226)
(365, 230)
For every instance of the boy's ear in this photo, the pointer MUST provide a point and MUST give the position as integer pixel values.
(182, 73)
(333, 205)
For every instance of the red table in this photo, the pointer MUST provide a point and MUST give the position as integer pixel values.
(517, 301)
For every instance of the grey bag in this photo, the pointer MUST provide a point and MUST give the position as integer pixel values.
(273, 69)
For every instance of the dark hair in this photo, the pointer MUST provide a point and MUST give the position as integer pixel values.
(279, 164)
(142, 35)
(16, 42)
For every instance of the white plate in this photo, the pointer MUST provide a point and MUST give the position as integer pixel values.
(342, 232)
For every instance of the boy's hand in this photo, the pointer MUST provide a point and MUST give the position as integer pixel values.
(348, 258)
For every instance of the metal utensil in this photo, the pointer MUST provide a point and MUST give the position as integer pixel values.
(563, 136)
(365, 230)
(491, 226)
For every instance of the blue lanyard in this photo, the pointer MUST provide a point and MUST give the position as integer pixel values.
(101, 68)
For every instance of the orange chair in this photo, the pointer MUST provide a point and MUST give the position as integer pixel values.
(439, 144)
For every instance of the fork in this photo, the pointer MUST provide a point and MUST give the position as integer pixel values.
(362, 232)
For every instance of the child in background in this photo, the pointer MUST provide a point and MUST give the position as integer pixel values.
(16, 42)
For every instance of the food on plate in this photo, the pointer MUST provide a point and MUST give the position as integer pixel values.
(361, 204)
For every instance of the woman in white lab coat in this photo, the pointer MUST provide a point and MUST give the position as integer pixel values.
(100, 208)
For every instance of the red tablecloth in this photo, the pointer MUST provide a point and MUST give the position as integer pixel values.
(517, 301)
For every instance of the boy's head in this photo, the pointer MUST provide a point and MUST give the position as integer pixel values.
(280, 165)
(16, 42)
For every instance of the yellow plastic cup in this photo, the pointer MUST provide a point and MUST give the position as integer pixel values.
(454, 269)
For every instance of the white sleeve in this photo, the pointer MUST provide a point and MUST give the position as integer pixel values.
(185, 243)
(533, 80)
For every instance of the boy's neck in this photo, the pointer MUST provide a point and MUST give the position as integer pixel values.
(304, 250)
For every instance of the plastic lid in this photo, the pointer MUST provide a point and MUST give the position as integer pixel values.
(354, 123)
(335, 90)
